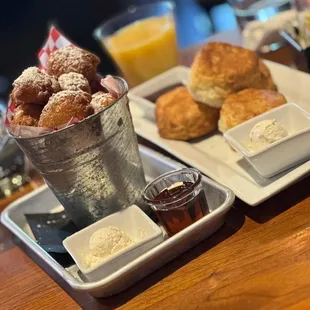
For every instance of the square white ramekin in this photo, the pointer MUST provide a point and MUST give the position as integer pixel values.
(282, 154)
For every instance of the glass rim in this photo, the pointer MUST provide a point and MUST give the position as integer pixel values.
(130, 11)
(188, 191)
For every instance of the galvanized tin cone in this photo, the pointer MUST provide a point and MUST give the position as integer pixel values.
(93, 167)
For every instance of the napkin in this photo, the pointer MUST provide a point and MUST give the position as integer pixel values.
(257, 34)
(50, 229)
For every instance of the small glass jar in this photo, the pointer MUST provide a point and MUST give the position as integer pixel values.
(178, 199)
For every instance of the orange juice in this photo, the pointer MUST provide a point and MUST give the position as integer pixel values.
(144, 48)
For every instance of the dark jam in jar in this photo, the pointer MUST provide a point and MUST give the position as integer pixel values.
(185, 211)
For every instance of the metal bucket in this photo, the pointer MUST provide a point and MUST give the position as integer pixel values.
(94, 166)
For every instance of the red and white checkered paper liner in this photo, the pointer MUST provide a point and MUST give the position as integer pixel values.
(55, 40)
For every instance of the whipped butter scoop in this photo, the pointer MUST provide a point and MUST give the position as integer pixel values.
(104, 243)
(265, 133)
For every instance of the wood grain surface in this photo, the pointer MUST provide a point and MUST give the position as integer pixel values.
(259, 259)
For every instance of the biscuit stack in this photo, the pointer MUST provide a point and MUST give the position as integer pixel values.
(227, 86)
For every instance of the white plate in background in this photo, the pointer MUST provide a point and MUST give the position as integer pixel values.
(211, 154)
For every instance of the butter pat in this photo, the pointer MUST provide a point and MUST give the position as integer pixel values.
(104, 243)
(265, 133)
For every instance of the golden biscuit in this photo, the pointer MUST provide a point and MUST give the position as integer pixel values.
(64, 106)
(72, 59)
(220, 69)
(27, 114)
(246, 104)
(34, 86)
(179, 117)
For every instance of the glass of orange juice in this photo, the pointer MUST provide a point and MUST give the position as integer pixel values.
(141, 41)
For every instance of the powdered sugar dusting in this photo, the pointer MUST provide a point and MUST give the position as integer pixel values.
(70, 56)
(72, 59)
(68, 93)
(33, 75)
(64, 95)
(101, 100)
(73, 81)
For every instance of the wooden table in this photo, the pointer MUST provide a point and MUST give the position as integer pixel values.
(259, 259)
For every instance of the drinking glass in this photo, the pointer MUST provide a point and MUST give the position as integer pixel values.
(261, 10)
(177, 210)
(142, 41)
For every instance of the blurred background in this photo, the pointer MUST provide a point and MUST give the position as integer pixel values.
(24, 27)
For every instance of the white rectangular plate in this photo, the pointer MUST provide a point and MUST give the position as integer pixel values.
(211, 154)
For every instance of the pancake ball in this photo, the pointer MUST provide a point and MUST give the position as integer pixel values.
(73, 59)
(64, 106)
(34, 86)
(74, 81)
(100, 100)
(27, 114)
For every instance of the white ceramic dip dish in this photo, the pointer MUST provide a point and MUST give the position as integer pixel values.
(282, 154)
(134, 222)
